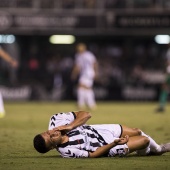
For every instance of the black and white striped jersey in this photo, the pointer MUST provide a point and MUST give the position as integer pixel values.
(85, 139)
(61, 119)
(81, 140)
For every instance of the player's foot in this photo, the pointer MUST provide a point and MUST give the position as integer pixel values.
(93, 107)
(165, 148)
(160, 110)
(2, 114)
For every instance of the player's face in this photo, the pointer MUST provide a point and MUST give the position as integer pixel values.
(52, 138)
(81, 48)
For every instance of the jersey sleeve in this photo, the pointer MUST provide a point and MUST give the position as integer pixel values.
(61, 119)
(73, 153)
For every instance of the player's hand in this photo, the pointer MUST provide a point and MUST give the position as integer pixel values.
(65, 128)
(122, 140)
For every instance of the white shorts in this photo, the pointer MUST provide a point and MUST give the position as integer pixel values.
(88, 82)
(110, 132)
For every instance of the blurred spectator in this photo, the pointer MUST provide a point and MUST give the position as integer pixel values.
(34, 67)
(54, 79)
(34, 64)
(137, 75)
(53, 68)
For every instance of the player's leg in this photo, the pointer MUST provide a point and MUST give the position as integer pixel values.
(164, 95)
(139, 143)
(81, 97)
(135, 143)
(136, 132)
(130, 131)
(2, 110)
(90, 99)
(154, 146)
(164, 148)
(162, 100)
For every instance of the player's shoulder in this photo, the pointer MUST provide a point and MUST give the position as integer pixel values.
(89, 53)
(61, 114)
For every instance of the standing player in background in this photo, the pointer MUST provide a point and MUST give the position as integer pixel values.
(166, 85)
(85, 69)
(5, 56)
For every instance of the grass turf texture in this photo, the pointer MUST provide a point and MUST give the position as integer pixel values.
(24, 120)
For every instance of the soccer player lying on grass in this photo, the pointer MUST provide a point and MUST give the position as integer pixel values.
(69, 134)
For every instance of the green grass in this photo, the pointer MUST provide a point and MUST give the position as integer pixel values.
(24, 120)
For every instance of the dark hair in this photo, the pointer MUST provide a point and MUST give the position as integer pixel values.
(39, 144)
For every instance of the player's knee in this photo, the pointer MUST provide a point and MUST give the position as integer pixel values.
(138, 131)
(146, 141)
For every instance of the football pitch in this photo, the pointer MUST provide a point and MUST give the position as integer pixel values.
(24, 120)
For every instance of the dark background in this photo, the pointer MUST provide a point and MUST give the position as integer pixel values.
(119, 32)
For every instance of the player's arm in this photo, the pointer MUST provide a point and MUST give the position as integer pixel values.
(105, 149)
(81, 117)
(95, 66)
(4, 55)
(75, 72)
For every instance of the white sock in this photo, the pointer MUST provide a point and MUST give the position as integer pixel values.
(154, 147)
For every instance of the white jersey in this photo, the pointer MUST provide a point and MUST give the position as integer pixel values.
(85, 61)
